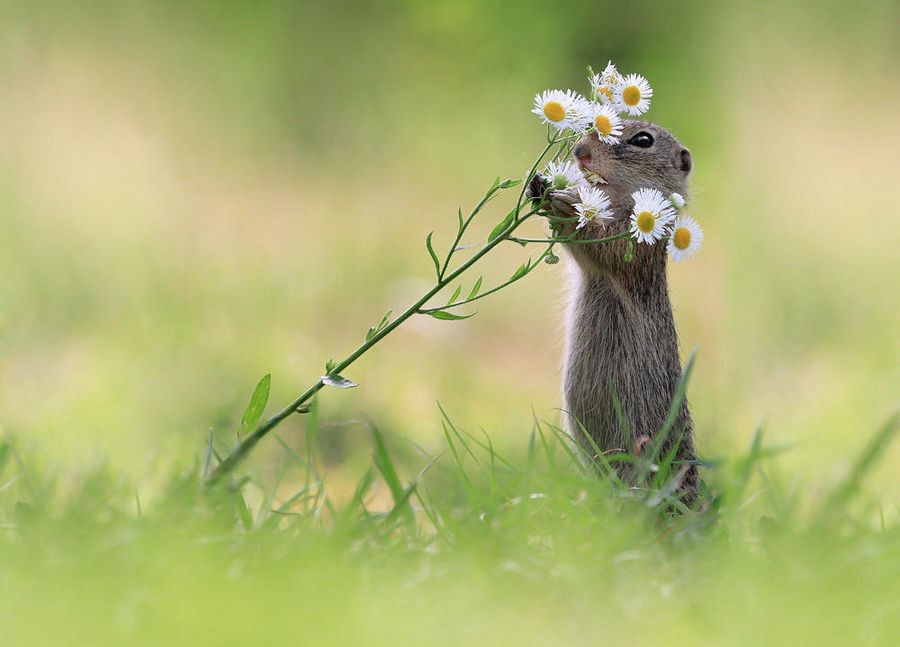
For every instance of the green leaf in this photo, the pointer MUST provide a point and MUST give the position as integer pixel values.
(507, 184)
(434, 258)
(503, 224)
(475, 289)
(329, 366)
(455, 294)
(338, 382)
(257, 405)
(374, 330)
(448, 316)
(459, 216)
(875, 450)
(522, 271)
(385, 465)
(4, 454)
(243, 512)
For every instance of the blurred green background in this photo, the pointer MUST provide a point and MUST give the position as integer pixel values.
(193, 194)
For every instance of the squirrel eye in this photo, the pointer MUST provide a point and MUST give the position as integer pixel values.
(642, 139)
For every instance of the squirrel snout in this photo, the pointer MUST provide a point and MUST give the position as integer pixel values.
(581, 152)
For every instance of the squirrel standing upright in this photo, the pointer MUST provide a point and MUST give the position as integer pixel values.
(622, 366)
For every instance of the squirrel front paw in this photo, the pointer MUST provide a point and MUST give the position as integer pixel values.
(558, 203)
(562, 202)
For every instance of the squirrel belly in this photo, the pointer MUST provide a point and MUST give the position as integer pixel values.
(622, 367)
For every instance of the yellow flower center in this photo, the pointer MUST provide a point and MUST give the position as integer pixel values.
(604, 127)
(631, 96)
(554, 111)
(645, 222)
(682, 238)
(605, 92)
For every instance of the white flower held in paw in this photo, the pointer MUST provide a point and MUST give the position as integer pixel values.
(592, 203)
(651, 215)
(634, 94)
(562, 110)
(607, 123)
(563, 175)
(677, 200)
(686, 239)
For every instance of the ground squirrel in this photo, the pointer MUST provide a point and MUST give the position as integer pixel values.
(621, 342)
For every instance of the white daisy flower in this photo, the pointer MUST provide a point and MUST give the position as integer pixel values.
(563, 175)
(607, 123)
(563, 110)
(686, 239)
(605, 84)
(584, 113)
(651, 215)
(634, 94)
(592, 203)
(603, 93)
(677, 200)
(611, 75)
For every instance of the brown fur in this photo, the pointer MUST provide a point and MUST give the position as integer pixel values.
(621, 342)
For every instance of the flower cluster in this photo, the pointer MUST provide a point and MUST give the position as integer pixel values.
(612, 95)
(654, 216)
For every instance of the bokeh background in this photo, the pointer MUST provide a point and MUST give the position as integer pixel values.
(194, 194)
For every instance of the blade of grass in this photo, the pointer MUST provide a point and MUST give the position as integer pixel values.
(864, 464)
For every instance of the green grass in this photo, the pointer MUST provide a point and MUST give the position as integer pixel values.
(196, 194)
(466, 546)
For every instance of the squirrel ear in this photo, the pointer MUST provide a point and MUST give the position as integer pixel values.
(683, 160)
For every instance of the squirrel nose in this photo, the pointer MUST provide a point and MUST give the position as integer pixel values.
(581, 153)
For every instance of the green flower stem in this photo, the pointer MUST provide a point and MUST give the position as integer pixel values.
(443, 280)
(462, 230)
(551, 142)
(249, 441)
(531, 267)
(571, 240)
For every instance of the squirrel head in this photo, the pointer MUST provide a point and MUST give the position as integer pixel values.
(647, 155)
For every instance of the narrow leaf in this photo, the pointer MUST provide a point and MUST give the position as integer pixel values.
(476, 288)
(257, 405)
(434, 258)
(875, 450)
(374, 330)
(503, 224)
(455, 294)
(243, 511)
(507, 184)
(448, 316)
(522, 271)
(338, 382)
(386, 466)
